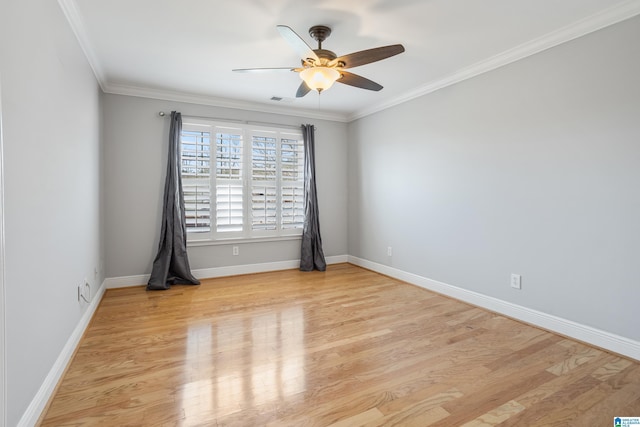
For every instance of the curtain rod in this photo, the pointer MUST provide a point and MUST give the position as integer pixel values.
(246, 122)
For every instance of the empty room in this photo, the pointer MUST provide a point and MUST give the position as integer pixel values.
(319, 213)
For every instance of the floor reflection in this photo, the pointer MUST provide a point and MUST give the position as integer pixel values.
(236, 363)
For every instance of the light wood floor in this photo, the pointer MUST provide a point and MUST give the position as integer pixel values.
(347, 347)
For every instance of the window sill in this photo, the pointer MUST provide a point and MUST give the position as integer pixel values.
(236, 240)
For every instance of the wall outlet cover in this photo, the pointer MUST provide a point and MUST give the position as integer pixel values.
(516, 281)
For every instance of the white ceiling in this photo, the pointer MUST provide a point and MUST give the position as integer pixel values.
(185, 50)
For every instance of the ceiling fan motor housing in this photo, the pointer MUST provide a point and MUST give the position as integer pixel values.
(325, 55)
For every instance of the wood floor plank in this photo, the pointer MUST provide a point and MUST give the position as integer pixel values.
(359, 419)
(345, 347)
(611, 369)
(497, 415)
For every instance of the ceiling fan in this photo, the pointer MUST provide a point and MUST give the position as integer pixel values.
(321, 67)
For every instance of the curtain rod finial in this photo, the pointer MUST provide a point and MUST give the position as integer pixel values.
(161, 113)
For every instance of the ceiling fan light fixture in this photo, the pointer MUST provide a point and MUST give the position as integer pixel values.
(321, 68)
(319, 78)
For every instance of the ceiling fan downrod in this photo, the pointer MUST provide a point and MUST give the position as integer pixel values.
(319, 33)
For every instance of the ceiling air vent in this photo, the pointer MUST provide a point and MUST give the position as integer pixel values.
(282, 99)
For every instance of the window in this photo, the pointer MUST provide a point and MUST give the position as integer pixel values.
(241, 181)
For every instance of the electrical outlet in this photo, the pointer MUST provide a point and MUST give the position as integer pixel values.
(389, 251)
(236, 251)
(86, 294)
(516, 281)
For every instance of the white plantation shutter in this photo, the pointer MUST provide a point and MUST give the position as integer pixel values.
(241, 181)
(292, 207)
(229, 182)
(292, 183)
(264, 201)
(264, 168)
(196, 179)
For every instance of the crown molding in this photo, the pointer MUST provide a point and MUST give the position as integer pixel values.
(593, 23)
(168, 95)
(602, 19)
(70, 10)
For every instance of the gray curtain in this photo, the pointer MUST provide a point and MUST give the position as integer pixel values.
(311, 256)
(171, 265)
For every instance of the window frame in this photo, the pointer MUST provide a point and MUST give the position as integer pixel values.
(295, 201)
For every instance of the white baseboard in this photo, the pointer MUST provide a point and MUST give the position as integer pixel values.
(605, 340)
(587, 334)
(207, 273)
(234, 270)
(126, 281)
(37, 405)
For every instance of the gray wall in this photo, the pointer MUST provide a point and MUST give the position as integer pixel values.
(135, 163)
(51, 119)
(532, 169)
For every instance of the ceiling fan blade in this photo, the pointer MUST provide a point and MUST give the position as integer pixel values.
(300, 46)
(358, 81)
(303, 89)
(367, 56)
(261, 70)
